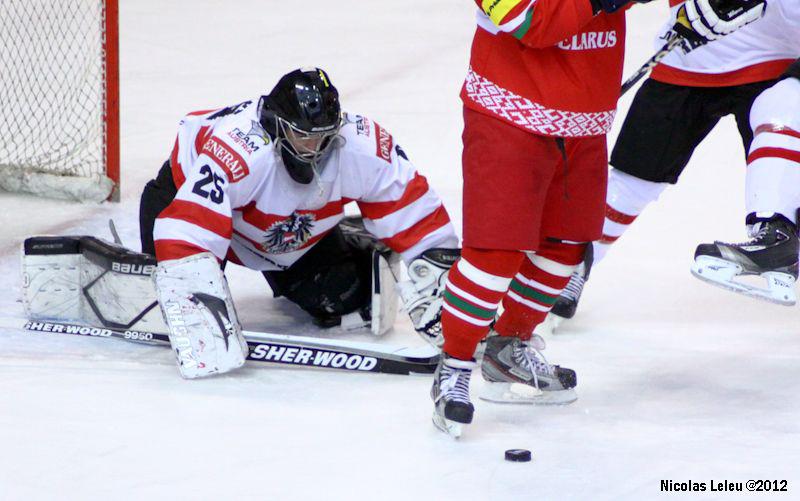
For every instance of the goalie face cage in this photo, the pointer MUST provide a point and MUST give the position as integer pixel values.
(59, 98)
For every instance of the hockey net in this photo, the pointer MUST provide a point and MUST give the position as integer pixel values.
(59, 131)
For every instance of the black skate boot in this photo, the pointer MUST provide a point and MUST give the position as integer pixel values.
(450, 394)
(567, 302)
(516, 372)
(772, 253)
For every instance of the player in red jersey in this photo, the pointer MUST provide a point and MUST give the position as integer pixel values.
(539, 98)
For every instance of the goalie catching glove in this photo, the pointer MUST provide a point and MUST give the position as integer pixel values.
(701, 21)
(422, 293)
(203, 326)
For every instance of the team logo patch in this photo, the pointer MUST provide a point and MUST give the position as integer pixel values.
(384, 142)
(362, 126)
(230, 161)
(250, 141)
(289, 234)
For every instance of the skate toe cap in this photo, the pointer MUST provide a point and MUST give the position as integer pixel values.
(459, 412)
(566, 377)
(707, 250)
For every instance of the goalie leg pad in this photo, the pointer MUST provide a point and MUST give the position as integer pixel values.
(204, 329)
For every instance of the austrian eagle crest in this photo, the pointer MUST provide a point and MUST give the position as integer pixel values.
(288, 234)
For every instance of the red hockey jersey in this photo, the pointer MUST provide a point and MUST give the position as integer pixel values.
(547, 66)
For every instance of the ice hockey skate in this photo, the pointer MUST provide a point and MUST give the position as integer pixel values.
(515, 371)
(450, 394)
(771, 253)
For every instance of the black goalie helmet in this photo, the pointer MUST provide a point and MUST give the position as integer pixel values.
(303, 116)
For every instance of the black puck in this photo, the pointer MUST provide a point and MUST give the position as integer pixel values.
(518, 455)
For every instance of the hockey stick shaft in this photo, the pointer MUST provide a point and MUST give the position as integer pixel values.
(674, 40)
(279, 349)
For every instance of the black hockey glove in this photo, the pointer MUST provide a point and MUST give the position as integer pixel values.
(701, 21)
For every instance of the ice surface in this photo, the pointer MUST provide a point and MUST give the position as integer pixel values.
(677, 380)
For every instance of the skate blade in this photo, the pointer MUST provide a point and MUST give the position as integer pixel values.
(721, 273)
(518, 393)
(549, 326)
(450, 427)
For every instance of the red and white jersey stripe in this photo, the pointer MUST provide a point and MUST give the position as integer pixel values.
(757, 52)
(236, 200)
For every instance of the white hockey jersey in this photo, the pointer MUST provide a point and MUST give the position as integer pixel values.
(236, 200)
(757, 52)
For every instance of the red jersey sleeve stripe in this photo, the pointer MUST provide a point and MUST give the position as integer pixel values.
(175, 249)
(198, 215)
(618, 217)
(177, 172)
(415, 189)
(200, 138)
(791, 155)
(407, 238)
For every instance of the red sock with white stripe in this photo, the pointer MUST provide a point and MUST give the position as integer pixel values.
(535, 288)
(626, 198)
(476, 285)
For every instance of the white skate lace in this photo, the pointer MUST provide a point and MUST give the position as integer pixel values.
(455, 384)
(532, 359)
(757, 232)
(574, 287)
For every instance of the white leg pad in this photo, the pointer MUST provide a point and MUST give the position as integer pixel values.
(203, 326)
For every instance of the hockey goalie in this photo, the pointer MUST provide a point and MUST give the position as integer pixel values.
(262, 184)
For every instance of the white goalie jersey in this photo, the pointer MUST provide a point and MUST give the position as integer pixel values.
(236, 200)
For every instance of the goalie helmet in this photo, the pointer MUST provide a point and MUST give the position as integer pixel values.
(303, 116)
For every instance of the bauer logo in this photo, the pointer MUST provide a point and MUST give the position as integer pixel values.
(312, 357)
(133, 269)
(590, 40)
(231, 162)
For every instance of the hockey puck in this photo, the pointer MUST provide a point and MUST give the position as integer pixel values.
(518, 455)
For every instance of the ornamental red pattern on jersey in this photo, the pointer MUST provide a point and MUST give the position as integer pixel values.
(550, 67)
(533, 116)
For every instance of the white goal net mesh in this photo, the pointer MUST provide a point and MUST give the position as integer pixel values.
(52, 98)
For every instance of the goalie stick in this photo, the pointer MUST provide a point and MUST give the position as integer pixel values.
(269, 348)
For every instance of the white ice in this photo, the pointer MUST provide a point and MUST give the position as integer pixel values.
(677, 380)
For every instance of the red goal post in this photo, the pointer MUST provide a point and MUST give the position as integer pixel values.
(59, 117)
